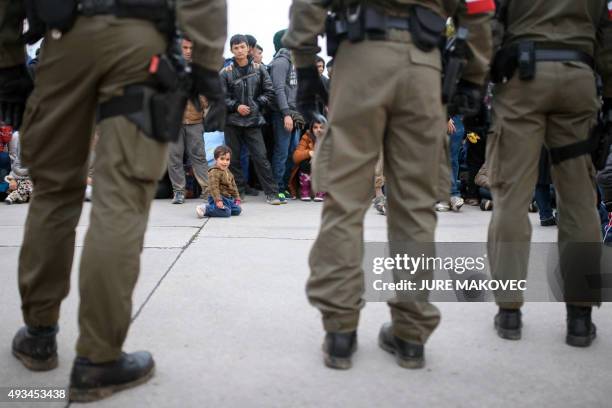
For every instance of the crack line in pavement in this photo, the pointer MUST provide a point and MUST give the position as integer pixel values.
(183, 249)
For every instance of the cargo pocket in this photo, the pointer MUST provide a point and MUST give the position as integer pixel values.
(28, 146)
(321, 162)
(430, 59)
(493, 159)
(142, 157)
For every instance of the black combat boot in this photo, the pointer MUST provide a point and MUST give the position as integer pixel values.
(92, 382)
(36, 347)
(508, 324)
(580, 329)
(407, 354)
(338, 348)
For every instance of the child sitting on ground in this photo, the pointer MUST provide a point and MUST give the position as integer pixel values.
(223, 199)
(302, 156)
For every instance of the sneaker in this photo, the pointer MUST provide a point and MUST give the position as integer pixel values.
(273, 199)
(533, 207)
(486, 205)
(379, 204)
(179, 198)
(442, 206)
(8, 201)
(549, 222)
(474, 202)
(201, 210)
(456, 203)
(282, 197)
(319, 197)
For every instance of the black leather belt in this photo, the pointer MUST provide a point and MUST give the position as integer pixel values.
(375, 22)
(563, 56)
(96, 7)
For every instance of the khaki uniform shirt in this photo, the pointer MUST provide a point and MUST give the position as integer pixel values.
(308, 21)
(584, 25)
(204, 22)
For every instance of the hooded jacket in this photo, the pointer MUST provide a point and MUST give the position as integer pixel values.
(284, 81)
(301, 153)
(254, 89)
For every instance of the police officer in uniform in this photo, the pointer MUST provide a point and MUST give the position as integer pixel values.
(546, 95)
(93, 55)
(386, 93)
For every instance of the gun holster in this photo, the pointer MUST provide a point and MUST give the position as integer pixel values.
(526, 60)
(157, 111)
(426, 27)
(508, 60)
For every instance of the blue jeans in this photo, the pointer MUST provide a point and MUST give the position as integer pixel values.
(485, 193)
(455, 147)
(229, 208)
(284, 145)
(543, 199)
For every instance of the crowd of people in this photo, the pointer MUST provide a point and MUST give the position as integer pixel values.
(267, 140)
(270, 148)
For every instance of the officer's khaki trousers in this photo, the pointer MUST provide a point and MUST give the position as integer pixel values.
(555, 109)
(89, 64)
(384, 94)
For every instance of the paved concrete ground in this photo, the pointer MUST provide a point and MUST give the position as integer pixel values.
(221, 305)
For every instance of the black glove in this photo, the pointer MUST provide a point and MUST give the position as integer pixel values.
(310, 87)
(15, 87)
(467, 99)
(208, 83)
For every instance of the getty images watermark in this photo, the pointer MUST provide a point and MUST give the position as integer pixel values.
(404, 263)
(451, 272)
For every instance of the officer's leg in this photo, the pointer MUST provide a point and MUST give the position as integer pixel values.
(257, 148)
(176, 168)
(194, 143)
(579, 228)
(128, 165)
(345, 164)
(513, 152)
(55, 141)
(415, 134)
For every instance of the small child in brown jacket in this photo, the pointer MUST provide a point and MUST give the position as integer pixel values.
(223, 199)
